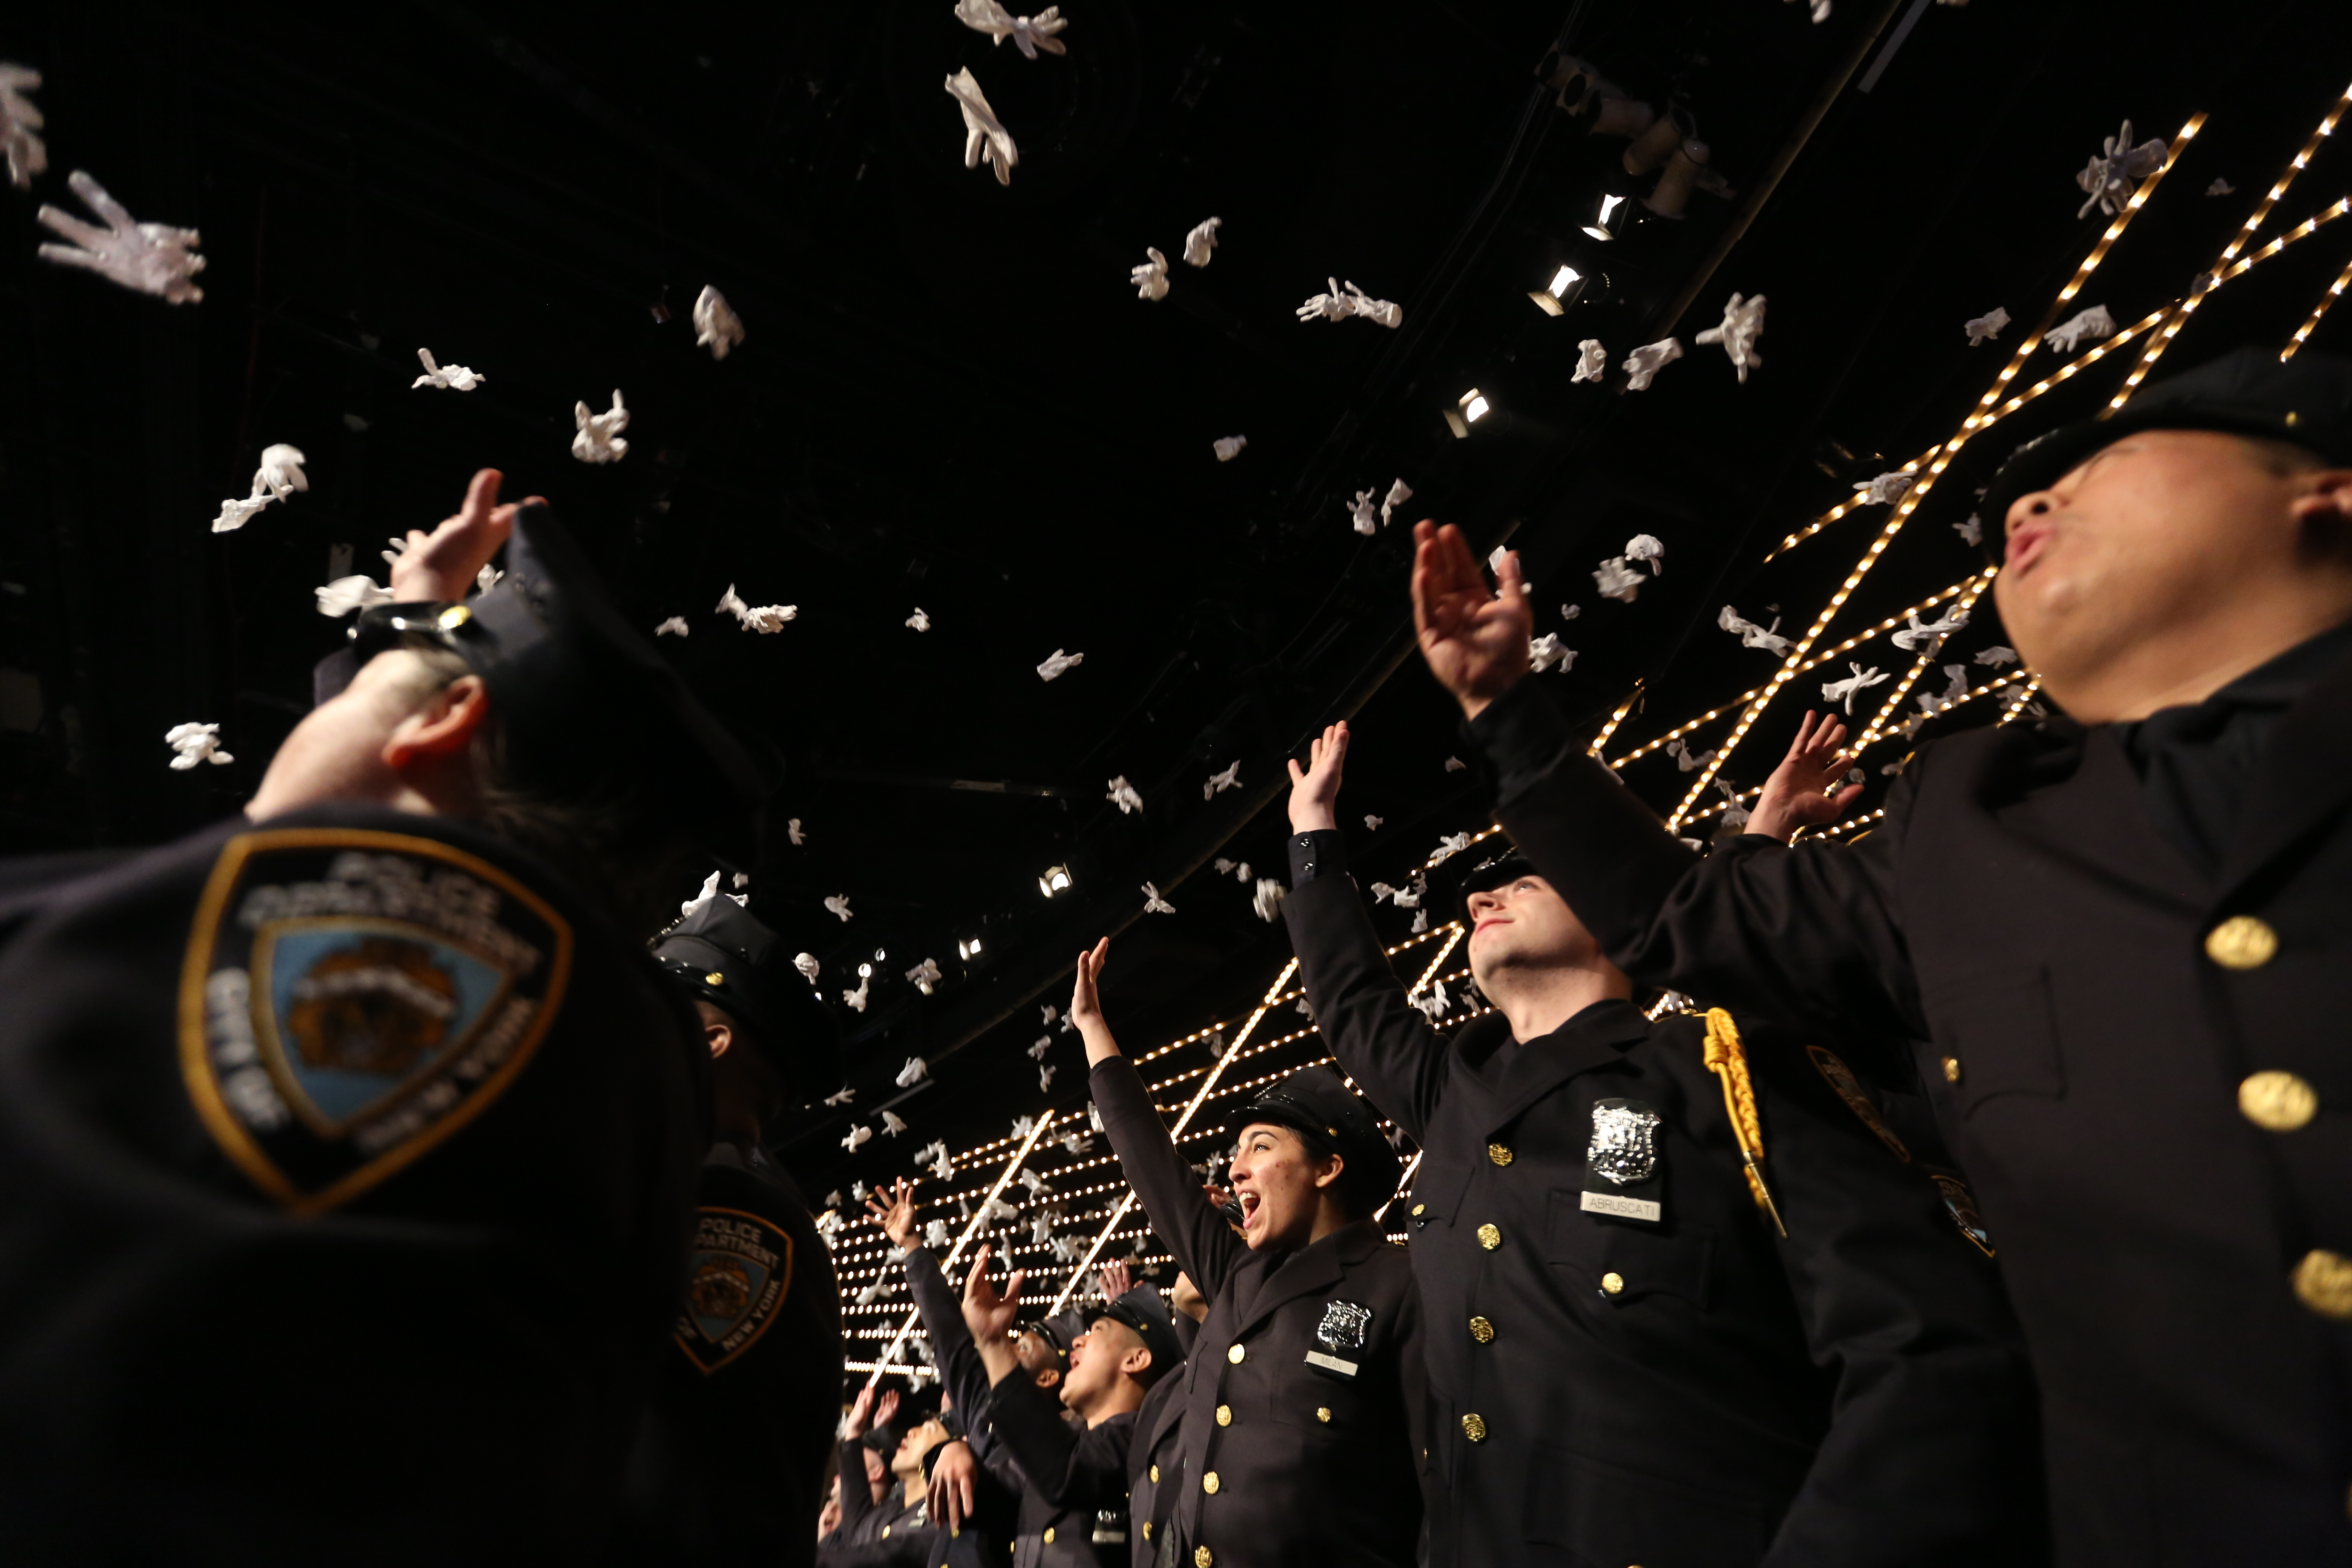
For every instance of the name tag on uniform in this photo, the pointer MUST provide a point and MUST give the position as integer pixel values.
(1620, 1164)
(1339, 1336)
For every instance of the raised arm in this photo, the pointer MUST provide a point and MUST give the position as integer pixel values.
(961, 1373)
(1384, 1041)
(1809, 934)
(1205, 1244)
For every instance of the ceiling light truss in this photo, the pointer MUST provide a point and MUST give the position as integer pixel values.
(1932, 471)
(2343, 280)
(2154, 347)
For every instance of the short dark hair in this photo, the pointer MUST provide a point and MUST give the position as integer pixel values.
(622, 843)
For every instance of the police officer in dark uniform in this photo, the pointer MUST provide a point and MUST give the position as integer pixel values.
(1626, 1346)
(1072, 1474)
(2122, 933)
(1299, 1426)
(347, 1152)
(897, 1531)
(734, 1449)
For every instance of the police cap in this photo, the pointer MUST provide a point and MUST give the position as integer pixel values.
(1146, 1311)
(1315, 1103)
(2307, 401)
(1497, 868)
(723, 953)
(565, 670)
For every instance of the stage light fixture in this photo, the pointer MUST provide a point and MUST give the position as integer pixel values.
(968, 948)
(1604, 223)
(1467, 410)
(1566, 286)
(864, 969)
(1056, 880)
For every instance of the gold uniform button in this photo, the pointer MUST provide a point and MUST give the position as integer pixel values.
(1049, 1535)
(1155, 1475)
(1208, 1483)
(714, 978)
(885, 1529)
(2277, 1102)
(1225, 1415)
(1500, 1153)
(1951, 1069)
(455, 615)
(1482, 1331)
(1323, 1414)
(2241, 941)
(1147, 1530)
(1235, 1355)
(1473, 1427)
(1417, 1208)
(1203, 1557)
(1612, 1283)
(2323, 1282)
(1490, 1237)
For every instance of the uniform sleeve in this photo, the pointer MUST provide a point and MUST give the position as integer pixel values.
(1932, 1453)
(856, 1500)
(1383, 1040)
(1808, 934)
(961, 1371)
(1073, 1467)
(1205, 1244)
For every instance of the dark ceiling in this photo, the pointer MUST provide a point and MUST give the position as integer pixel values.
(952, 399)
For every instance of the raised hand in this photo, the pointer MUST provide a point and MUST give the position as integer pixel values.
(442, 564)
(1086, 1005)
(988, 1312)
(1115, 1281)
(951, 1487)
(1476, 643)
(1315, 790)
(861, 1414)
(1799, 792)
(897, 1217)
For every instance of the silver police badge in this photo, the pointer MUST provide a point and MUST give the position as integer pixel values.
(1625, 1148)
(1343, 1326)
(1339, 1338)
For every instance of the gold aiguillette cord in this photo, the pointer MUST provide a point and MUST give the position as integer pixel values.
(1728, 1060)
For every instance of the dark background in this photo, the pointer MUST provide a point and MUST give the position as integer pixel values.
(951, 397)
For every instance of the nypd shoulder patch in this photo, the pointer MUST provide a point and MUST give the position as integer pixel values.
(351, 998)
(740, 1272)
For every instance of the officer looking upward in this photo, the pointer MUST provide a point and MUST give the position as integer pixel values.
(1074, 1474)
(1627, 1349)
(2121, 933)
(347, 1150)
(733, 1452)
(1299, 1415)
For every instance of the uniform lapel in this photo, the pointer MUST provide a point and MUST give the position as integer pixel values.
(2303, 776)
(1311, 1271)
(2098, 819)
(1529, 1072)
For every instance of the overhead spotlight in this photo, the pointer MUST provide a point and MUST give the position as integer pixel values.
(1056, 880)
(1467, 410)
(1673, 194)
(1561, 292)
(1605, 222)
(968, 948)
(879, 955)
(864, 969)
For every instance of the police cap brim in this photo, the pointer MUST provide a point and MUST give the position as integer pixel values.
(2307, 401)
